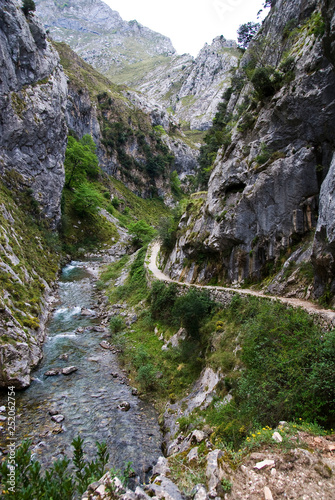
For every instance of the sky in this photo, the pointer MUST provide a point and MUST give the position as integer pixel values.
(190, 23)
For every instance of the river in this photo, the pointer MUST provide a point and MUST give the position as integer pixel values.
(89, 397)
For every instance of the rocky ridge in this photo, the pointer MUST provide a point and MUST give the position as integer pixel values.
(100, 36)
(267, 192)
(191, 89)
(128, 53)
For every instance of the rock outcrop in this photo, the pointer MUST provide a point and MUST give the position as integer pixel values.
(99, 34)
(33, 94)
(33, 132)
(191, 89)
(264, 191)
(128, 53)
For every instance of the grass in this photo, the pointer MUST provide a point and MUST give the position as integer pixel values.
(30, 266)
(150, 210)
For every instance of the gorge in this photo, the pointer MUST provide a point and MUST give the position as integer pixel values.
(108, 140)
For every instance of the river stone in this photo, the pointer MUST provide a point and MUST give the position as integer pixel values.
(124, 406)
(54, 411)
(3, 418)
(106, 345)
(264, 463)
(193, 456)
(99, 329)
(64, 357)
(267, 493)
(58, 418)
(52, 373)
(2, 409)
(200, 492)
(87, 312)
(68, 370)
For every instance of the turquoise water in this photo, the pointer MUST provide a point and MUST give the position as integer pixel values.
(88, 398)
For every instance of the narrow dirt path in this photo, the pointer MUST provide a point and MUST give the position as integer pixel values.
(310, 307)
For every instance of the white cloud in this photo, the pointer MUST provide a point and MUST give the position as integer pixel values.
(190, 23)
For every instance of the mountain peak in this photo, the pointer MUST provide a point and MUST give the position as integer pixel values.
(108, 42)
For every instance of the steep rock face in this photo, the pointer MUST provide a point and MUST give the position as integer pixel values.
(33, 132)
(32, 102)
(324, 243)
(131, 132)
(131, 54)
(263, 194)
(192, 88)
(99, 35)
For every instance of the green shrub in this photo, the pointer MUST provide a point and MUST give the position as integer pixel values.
(28, 6)
(264, 155)
(86, 200)
(116, 324)
(59, 482)
(266, 81)
(167, 232)
(175, 184)
(115, 202)
(81, 161)
(141, 231)
(162, 299)
(190, 309)
(285, 354)
(146, 377)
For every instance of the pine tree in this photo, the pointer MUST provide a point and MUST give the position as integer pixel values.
(28, 6)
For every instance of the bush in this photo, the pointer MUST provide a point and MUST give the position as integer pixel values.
(266, 81)
(175, 184)
(141, 231)
(246, 33)
(59, 482)
(28, 6)
(190, 309)
(289, 367)
(167, 229)
(162, 299)
(146, 377)
(86, 200)
(116, 324)
(81, 161)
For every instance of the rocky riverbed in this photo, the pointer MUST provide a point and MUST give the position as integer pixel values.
(79, 387)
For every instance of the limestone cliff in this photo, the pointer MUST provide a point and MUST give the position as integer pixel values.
(191, 89)
(137, 141)
(128, 53)
(99, 35)
(33, 93)
(263, 197)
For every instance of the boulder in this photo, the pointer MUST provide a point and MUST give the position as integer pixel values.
(68, 370)
(58, 418)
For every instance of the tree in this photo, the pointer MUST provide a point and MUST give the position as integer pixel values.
(141, 231)
(80, 161)
(246, 33)
(28, 6)
(190, 309)
(86, 200)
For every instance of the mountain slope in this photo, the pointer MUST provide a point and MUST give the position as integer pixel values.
(128, 53)
(264, 196)
(99, 35)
